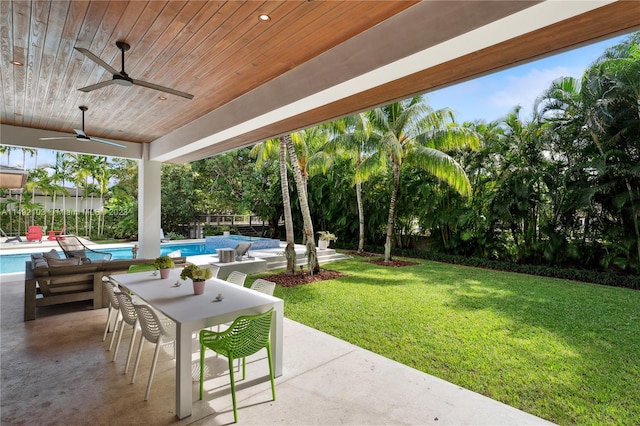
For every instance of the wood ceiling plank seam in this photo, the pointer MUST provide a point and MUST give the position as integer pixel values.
(195, 47)
(309, 42)
(115, 95)
(150, 44)
(222, 38)
(68, 90)
(205, 23)
(6, 54)
(170, 30)
(188, 33)
(40, 12)
(337, 37)
(102, 39)
(52, 40)
(168, 41)
(265, 41)
(21, 18)
(314, 12)
(72, 24)
(125, 18)
(231, 14)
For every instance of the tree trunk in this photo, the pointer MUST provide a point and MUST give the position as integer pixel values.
(392, 210)
(289, 251)
(360, 217)
(312, 257)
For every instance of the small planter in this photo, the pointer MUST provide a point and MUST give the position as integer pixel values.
(323, 244)
(198, 287)
(164, 273)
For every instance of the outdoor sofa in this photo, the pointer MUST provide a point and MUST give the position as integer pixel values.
(50, 280)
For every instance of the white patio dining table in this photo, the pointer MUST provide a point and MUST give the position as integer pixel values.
(192, 313)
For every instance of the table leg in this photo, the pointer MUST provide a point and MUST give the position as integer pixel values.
(183, 372)
(277, 337)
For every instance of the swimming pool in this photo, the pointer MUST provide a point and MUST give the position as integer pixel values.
(10, 263)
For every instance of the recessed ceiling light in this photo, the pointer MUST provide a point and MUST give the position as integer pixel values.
(264, 18)
(162, 98)
(17, 63)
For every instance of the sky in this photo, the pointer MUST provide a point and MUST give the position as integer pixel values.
(486, 98)
(493, 96)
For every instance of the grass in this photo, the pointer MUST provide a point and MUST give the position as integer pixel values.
(561, 350)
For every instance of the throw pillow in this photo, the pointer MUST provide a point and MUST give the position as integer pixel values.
(52, 254)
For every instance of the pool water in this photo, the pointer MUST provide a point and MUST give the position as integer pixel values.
(10, 263)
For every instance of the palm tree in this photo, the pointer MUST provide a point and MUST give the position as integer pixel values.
(307, 231)
(60, 174)
(262, 152)
(289, 251)
(352, 137)
(411, 131)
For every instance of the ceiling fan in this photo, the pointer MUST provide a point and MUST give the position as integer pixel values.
(121, 78)
(81, 135)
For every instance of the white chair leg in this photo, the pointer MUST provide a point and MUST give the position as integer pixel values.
(133, 336)
(135, 366)
(120, 333)
(115, 330)
(106, 326)
(153, 367)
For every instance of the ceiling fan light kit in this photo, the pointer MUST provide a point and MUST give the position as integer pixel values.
(121, 78)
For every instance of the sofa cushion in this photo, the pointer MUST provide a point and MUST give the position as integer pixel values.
(51, 254)
(79, 254)
(65, 262)
(38, 261)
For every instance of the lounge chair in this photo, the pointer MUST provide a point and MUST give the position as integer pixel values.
(242, 250)
(73, 248)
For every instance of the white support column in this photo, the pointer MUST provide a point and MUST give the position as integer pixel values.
(148, 206)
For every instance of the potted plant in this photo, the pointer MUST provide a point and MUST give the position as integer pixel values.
(325, 238)
(198, 275)
(164, 263)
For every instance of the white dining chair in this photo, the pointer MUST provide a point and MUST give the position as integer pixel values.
(237, 277)
(263, 286)
(156, 330)
(113, 311)
(128, 316)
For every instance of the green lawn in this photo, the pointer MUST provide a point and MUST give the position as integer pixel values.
(562, 350)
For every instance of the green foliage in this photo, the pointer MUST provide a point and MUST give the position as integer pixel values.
(174, 236)
(326, 236)
(196, 273)
(164, 262)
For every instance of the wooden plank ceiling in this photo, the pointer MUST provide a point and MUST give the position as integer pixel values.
(219, 51)
(215, 50)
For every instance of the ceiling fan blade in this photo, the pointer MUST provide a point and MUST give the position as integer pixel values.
(57, 138)
(97, 60)
(119, 145)
(162, 89)
(97, 86)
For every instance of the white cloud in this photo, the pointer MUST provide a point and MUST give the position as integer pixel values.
(523, 89)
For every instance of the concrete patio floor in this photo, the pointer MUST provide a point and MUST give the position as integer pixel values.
(55, 370)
